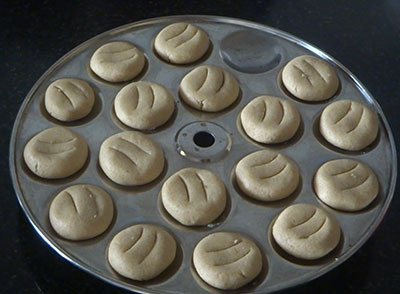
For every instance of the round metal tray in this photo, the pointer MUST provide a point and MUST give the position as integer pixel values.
(255, 54)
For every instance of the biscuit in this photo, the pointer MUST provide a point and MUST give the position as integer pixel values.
(194, 196)
(227, 260)
(270, 120)
(306, 231)
(209, 88)
(81, 212)
(181, 43)
(310, 78)
(346, 184)
(117, 62)
(141, 252)
(348, 125)
(144, 105)
(55, 153)
(131, 158)
(267, 175)
(69, 99)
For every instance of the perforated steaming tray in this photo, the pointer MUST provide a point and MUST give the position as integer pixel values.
(255, 54)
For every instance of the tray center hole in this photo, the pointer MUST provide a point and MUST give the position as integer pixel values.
(204, 139)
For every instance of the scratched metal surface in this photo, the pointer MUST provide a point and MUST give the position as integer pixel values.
(255, 54)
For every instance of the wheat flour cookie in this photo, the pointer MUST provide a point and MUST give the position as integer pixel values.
(346, 184)
(306, 231)
(81, 212)
(267, 175)
(69, 99)
(194, 196)
(181, 43)
(141, 252)
(144, 105)
(310, 78)
(348, 125)
(227, 260)
(117, 61)
(55, 153)
(131, 158)
(209, 88)
(269, 120)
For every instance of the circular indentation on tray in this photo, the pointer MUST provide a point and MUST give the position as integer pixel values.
(326, 144)
(250, 51)
(291, 96)
(329, 258)
(276, 146)
(193, 141)
(202, 228)
(168, 273)
(248, 288)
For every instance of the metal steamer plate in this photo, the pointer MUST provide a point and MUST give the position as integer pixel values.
(255, 54)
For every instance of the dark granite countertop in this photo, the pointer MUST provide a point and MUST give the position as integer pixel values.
(362, 35)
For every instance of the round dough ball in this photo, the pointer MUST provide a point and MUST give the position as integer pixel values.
(310, 78)
(267, 175)
(55, 153)
(69, 99)
(81, 212)
(346, 184)
(269, 120)
(181, 43)
(131, 158)
(306, 231)
(194, 196)
(209, 88)
(117, 62)
(227, 260)
(348, 125)
(144, 105)
(141, 252)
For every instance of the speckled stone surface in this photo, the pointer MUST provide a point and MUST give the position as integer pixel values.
(363, 35)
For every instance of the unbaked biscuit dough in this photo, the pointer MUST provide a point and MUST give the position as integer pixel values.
(346, 184)
(55, 153)
(227, 260)
(306, 231)
(69, 99)
(267, 175)
(81, 212)
(310, 78)
(131, 158)
(348, 125)
(269, 120)
(141, 252)
(181, 43)
(117, 61)
(194, 196)
(209, 88)
(144, 105)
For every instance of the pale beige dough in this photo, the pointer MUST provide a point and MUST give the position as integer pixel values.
(55, 153)
(181, 43)
(194, 196)
(141, 252)
(117, 61)
(69, 99)
(81, 212)
(227, 260)
(306, 231)
(348, 125)
(144, 105)
(346, 184)
(209, 88)
(269, 120)
(310, 78)
(267, 175)
(131, 158)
